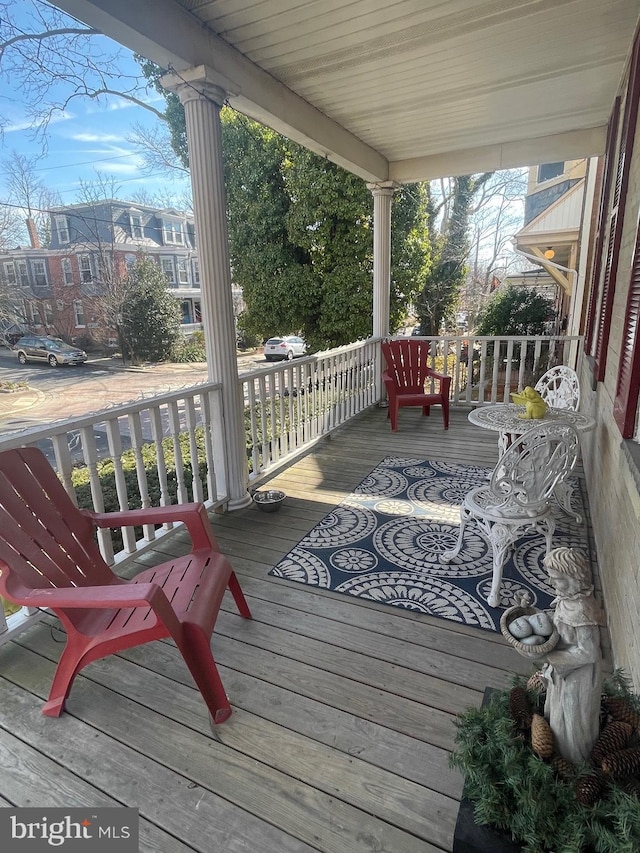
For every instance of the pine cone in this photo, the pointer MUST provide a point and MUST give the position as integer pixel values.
(620, 708)
(541, 737)
(519, 708)
(614, 737)
(631, 786)
(561, 767)
(589, 788)
(623, 763)
(537, 683)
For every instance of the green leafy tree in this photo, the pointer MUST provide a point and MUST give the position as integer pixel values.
(301, 233)
(448, 221)
(150, 326)
(515, 311)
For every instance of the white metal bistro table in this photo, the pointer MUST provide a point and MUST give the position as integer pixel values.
(504, 419)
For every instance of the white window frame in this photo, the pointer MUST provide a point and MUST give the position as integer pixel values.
(172, 232)
(35, 266)
(67, 271)
(62, 229)
(183, 271)
(86, 268)
(10, 274)
(168, 268)
(23, 273)
(130, 262)
(136, 225)
(48, 314)
(195, 267)
(78, 314)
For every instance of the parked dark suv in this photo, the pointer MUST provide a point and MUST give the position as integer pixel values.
(52, 350)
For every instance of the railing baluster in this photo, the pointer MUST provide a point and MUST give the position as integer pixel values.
(134, 423)
(115, 452)
(191, 422)
(174, 431)
(90, 453)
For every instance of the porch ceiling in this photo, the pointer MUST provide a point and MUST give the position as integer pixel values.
(403, 90)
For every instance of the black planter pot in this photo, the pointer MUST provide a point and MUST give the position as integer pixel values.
(470, 837)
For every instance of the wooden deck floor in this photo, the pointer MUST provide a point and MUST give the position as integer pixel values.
(343, 711)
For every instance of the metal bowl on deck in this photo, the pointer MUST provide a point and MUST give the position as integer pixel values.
(269, 500)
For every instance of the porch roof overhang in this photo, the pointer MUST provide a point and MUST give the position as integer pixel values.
(406, 92)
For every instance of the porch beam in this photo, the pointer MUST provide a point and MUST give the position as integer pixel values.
(173, 38)
(572, 145)
(202, 101)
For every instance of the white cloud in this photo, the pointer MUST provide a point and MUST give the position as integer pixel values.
(97, 137)
(25, 124)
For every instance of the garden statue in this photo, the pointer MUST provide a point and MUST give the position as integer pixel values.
(534, 406)
(573, 669)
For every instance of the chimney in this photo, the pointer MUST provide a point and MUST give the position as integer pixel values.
(33, 234)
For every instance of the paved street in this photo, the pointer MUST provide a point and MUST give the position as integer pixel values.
(59, 393)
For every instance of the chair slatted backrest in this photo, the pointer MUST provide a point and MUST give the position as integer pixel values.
(536, 462)
(44, 539)
(559, 387)
(408, 362)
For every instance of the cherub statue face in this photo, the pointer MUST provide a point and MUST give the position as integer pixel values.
(564, 584)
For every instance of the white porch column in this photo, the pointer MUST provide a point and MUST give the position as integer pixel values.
(382, 197)
(202, 101)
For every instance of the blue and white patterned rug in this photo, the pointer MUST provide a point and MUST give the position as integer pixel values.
(384, 540)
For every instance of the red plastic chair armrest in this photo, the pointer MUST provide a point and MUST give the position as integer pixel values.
(193, 515)
(117, 595)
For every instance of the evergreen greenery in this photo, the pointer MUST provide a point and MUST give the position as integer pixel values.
(513, 790)
(150, 315)
(515, 311)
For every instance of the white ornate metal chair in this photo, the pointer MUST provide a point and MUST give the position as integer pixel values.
(517, 499)
(559, 387)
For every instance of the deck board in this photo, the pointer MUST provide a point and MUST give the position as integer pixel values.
(344, 710)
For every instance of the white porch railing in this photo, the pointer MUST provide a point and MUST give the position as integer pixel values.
(169, 449)
(487, 369)
(291, 406)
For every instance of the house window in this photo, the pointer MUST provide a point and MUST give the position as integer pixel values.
(129, 262)
(166, 265)
(10, 272)
(48, 314)
(135, 221)
(172, 232)
(195, 266)
(78, 312)
(67, 272)
(40, 274)
(84, 262)
(23, 273)
(62, 227)
(34, 314)
(549, 170)
(183, 273)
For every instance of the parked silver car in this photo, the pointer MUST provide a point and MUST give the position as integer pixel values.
(52, 350)
(289, 347)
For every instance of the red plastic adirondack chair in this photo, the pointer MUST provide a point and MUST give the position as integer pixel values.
(408, 377)
(49, 558)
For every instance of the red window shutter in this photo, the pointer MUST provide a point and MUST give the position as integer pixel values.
(610, 150)
(625, 404)
(617, 214)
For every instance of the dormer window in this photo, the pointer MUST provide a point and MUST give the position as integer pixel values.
(172, 232)
(135, 221)
(62, 229)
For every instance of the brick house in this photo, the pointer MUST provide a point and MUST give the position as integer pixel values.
(62, 289)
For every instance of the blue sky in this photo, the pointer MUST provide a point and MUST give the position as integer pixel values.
(86, 138)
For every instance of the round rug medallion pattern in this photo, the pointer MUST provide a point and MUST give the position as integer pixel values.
(413, 592)
(385, 540)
